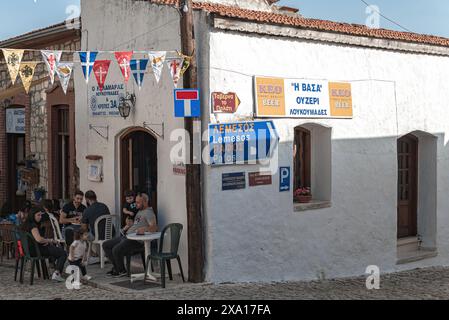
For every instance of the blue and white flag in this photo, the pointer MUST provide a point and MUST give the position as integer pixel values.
(138, 68)
(87, 59)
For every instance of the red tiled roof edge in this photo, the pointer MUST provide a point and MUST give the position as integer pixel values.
(314, 24)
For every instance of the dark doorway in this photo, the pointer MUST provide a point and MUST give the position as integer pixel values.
(139, 165)
(61, 145)
(407, 186)
(16, 160)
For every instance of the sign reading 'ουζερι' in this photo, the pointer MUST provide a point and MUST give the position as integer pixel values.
(295, 98)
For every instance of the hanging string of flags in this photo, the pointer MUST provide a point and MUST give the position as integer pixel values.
(88, 59)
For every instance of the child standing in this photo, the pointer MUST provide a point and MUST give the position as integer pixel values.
(78, 252)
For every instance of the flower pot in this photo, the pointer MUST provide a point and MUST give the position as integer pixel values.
(38, 195)
(303, 199)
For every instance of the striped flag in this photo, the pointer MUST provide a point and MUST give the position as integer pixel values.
(87, 59)
(138, 68)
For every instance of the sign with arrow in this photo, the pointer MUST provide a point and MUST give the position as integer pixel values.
(225, 102)
(242, 142)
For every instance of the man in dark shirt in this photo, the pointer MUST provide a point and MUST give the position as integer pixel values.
(94, 210)
(71, 216)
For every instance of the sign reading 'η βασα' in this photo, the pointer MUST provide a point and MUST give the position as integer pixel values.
(242, 142)
(233, 181)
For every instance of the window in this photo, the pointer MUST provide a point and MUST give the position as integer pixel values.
(62, 152)
(312, 153)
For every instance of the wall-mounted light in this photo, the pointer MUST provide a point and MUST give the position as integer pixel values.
(126, 104)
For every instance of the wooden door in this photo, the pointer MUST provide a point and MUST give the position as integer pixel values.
(407, 186)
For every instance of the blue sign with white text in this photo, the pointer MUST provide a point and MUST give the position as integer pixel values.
(284, 179)
(242, 142)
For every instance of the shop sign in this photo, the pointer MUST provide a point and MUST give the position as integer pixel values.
(105, 103)
(225, 102)
(299, 98)
(242, 142)
(233, 181)
(259, 179)
(15, 120)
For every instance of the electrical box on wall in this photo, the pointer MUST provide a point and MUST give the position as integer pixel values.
(95, 168)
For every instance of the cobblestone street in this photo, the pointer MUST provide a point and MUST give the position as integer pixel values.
(430, 283)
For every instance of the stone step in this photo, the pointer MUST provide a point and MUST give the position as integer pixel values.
(409, 244)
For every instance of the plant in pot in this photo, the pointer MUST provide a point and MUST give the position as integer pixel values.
(303, 195)
(39, 193)
(30, 161)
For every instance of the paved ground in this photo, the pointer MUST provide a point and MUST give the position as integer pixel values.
(430, 283)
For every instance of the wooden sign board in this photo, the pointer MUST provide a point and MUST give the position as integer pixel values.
(225, 102)
(259, 179)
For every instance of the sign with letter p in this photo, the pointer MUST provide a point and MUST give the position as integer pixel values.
(284, 179)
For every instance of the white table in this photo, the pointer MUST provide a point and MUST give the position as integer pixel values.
(147, 238)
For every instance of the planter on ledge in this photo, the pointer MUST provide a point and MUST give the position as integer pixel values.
(303, 199)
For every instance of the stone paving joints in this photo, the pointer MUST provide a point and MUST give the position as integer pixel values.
(429, 283)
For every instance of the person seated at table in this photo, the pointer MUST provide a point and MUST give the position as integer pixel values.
(94, 210)
(70, 216)
(47, 247)
(116, 249)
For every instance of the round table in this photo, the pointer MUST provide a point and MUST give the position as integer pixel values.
(147, 238)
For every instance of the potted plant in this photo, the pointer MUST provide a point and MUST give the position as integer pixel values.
(39, 193)
(30, 161)
(303, 195)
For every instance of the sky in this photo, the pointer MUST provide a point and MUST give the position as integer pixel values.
(421, 16)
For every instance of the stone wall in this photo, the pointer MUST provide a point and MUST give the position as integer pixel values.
(37, 133)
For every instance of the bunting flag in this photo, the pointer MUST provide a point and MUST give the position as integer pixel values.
(26, 72)
(64, 72)
(157, 59)
(87, 59)
(138, 68)
(51, 59)
(101, 69)
(123, 59)
(175, 65)
(185, 65)
(13, 59)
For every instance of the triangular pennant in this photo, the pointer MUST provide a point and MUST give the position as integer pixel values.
(175, 65)
(185, 65)
(64, 72)
(13, 59)
(101, 69)
(123, 59)
(26, 72)
(51, 59)
(157, 59)
(87, 59)
(138, 68)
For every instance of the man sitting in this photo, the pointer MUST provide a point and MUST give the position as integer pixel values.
(94, 210)
(71, 215)
(116, 249)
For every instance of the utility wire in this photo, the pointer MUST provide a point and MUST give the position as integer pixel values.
(385, 17)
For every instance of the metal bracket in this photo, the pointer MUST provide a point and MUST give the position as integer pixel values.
(148, 126)
(95, 128)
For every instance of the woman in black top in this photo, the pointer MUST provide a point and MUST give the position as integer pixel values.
(47, 247)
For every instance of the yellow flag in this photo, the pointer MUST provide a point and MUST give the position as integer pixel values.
(26, 72)
(13, 59)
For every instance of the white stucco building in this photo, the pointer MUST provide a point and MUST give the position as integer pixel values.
(378, 178)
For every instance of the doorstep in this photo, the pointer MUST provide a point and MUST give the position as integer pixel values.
(417, 255)
(312, 205)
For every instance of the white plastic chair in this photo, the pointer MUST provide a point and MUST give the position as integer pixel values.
(107, 236)
(56, 229)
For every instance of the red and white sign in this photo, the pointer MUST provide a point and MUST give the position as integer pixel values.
(187, 103)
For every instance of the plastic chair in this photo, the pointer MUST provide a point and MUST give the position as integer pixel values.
(108, 228)
(18, 252)
(175, 230)
(35, 257)
(7, 242)
(57, 233)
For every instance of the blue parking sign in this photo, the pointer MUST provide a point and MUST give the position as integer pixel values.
(284, 179)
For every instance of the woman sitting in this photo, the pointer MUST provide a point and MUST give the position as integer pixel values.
(47, 247)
